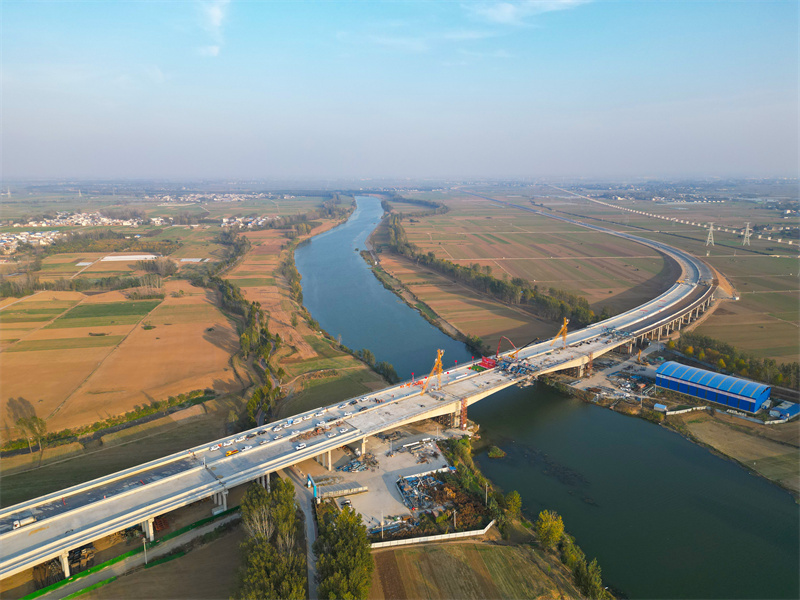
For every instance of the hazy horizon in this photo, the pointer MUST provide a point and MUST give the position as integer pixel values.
(293, 91)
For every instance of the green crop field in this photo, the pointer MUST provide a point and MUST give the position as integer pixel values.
(67, 343)
(112, 309)
(107, 313)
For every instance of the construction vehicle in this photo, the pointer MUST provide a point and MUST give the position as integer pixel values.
(512, 355)
(562, 333)
(437, 369)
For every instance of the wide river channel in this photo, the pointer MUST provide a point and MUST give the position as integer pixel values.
(664, 517)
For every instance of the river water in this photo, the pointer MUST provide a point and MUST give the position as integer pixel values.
(664, 517)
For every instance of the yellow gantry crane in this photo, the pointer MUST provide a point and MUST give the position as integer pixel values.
(437, 369)
(562, 333)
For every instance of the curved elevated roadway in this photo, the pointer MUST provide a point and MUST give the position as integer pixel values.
(78, 515)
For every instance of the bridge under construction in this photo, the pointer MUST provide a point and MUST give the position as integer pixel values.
(48, 527)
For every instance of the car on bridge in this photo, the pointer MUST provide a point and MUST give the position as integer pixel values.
(332, 434)
(214, 447)
(299, 446)
(228, 443)
(232, 452)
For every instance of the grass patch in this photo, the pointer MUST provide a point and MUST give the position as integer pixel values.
(112, 309)
(253, 281)
(67, 343)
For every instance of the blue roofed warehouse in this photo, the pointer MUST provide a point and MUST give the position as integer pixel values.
(734, 392)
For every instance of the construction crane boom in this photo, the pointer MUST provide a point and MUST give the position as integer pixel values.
(437, 369)
(513, 354)
(562, 333)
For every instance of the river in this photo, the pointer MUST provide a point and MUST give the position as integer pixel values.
(664, 517)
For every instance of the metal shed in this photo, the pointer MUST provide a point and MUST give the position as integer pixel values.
(734, 392)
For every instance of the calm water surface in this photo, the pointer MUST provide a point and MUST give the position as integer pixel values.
(665, 518)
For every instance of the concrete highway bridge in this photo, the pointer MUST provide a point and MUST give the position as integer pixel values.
(87, 512)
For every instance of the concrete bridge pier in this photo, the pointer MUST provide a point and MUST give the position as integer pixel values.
(220, 499)
(147, 529)
(65, 563)
(363, 446)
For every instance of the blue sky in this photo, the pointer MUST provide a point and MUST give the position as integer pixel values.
(429, 88)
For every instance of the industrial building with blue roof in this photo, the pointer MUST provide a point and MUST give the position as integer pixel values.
(734, 392)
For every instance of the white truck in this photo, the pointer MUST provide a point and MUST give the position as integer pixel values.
(23, 522)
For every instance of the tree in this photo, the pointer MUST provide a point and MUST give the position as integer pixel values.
(345, 565)
(257, 513)
(514, 503)
(721, 363)
(549, 528)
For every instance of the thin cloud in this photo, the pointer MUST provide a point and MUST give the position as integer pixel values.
(406, 44)
(212, 18)
(208, 51)
(490, 54)
(516, 13)
(466, 35)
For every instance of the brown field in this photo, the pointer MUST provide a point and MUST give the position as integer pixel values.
(206, 572)
(766, 321)
(178, 355)
(608, 272)
(468, 311)
(514, 243)
(771, 451)
(468, 570)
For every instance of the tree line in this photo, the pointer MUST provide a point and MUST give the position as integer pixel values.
(435, 208)
(109, 241)
(272, 562)
(31, 283)
(588, 577)
(344, 558)
(726, 357)
(553, 303)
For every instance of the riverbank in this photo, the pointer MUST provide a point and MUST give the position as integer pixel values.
(769, 451)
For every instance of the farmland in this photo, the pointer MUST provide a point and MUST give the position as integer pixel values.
(765, 320)
(468, 570)
(131, 352)
(316, 371)
(508, 243)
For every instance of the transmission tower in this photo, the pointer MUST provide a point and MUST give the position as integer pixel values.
(747, 234)
(710, 238)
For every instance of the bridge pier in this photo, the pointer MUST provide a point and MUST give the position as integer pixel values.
(221, 499)
(147, 529)
(65, 563)
(363, 446)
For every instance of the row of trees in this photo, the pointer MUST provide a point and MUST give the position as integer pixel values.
(551, 304)
(162, 266)
(272, 561)
(344, 559)
(588, 577)
(65, 436)
(109, 241)
(726, 357)
(434, 208)
(30, 283)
